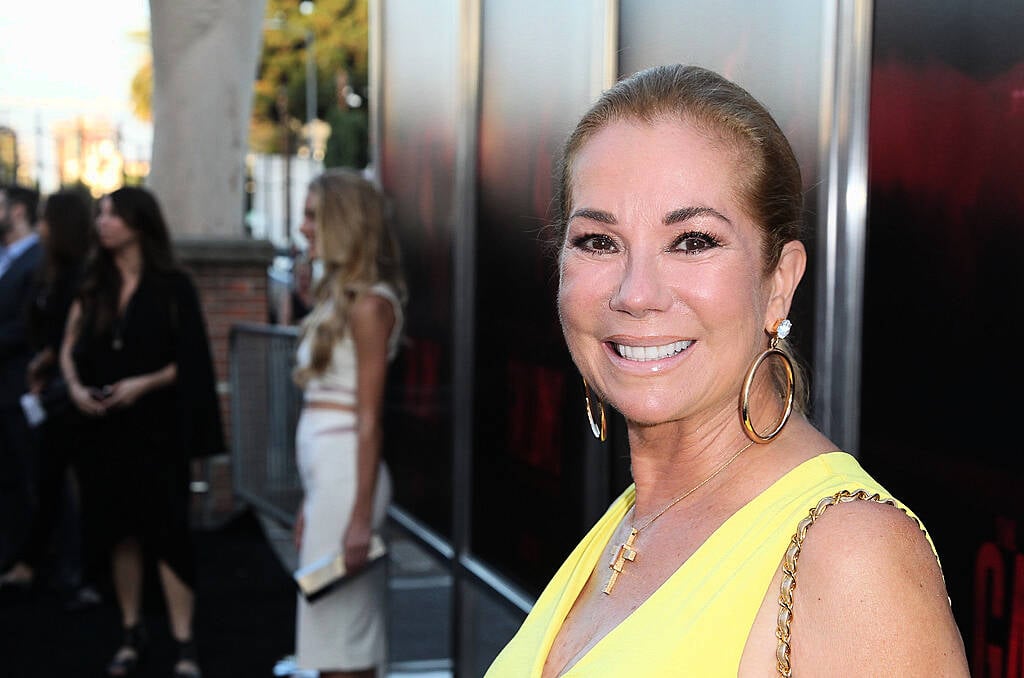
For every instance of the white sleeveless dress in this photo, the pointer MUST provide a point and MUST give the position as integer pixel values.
(345, 630)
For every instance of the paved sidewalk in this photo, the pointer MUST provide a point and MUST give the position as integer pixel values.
(420, 592)
(245, 616)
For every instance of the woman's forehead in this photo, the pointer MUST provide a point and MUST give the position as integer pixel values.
(675, 158)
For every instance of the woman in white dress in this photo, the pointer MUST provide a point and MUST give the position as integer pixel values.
(346, 343)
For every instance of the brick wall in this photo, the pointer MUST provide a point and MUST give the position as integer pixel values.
(231, 276)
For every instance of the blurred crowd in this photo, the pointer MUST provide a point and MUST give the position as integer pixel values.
(107, 393)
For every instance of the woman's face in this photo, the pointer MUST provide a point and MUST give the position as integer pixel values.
(114, 233)
(661, 295)
(308, 226)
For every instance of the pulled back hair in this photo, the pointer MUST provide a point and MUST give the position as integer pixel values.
(768, 186)
(771, 190)
(358, 249)
(140, 211)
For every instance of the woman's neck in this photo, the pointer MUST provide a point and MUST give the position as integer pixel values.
(129, 261)
(669, 459)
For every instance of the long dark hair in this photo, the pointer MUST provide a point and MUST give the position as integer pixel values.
(101, 288)
(68, 217)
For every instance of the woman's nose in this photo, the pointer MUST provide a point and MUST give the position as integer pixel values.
(642, 289)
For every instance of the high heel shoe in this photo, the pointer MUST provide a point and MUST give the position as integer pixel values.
(20, 576)
(128, 657)
(187, 653)
(19, 579)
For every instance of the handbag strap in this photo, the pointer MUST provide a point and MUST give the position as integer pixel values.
(789, 567)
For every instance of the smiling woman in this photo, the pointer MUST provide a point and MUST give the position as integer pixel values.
(680, 210)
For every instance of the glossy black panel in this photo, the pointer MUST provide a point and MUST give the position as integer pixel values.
(942, 366)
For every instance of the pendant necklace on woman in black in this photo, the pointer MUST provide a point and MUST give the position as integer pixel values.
(118, 341)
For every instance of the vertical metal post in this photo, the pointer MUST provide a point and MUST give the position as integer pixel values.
(596, 455)
(306, 8)
(463, 310)
(282, 112)
(839, 313)
(375, 67)
(311, 85)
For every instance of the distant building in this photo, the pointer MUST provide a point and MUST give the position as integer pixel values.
(8, 156)
(89, 152)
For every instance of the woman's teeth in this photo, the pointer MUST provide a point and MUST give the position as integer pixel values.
(645, 353)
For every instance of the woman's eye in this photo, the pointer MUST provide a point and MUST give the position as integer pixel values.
(594, 243)
(692, 243)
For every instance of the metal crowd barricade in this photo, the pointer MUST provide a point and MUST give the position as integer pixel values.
(265, 406)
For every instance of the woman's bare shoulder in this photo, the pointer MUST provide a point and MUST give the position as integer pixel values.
(371, 306)
(371, 313)
(870, 592)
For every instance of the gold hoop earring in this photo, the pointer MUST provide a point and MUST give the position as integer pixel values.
(780, 331)
(599, 432)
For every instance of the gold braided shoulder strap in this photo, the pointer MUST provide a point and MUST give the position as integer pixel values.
(789, 567)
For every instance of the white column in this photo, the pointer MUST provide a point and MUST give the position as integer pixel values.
(204, 63)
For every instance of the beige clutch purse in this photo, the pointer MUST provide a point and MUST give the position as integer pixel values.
(325, 574)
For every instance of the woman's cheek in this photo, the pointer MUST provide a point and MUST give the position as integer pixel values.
(577, 309)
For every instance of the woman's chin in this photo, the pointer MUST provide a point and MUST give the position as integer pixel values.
(647, 414)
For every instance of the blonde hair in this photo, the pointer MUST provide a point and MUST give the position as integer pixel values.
(358, 250)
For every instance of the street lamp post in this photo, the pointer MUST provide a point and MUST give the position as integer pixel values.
(311, 80)
(280, 23)
(306, 8)
(286, 133)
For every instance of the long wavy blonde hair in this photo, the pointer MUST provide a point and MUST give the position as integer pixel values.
(358, 250)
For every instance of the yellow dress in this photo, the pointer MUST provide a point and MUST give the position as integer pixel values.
(697, 622)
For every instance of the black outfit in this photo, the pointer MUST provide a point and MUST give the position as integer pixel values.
(57, 439)
(135, 465)
(299, 308)
(16, 471)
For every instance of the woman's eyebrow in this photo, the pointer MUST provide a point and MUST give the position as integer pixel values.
(687, 213)
(594, 215)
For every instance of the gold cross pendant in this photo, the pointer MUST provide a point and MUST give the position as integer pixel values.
(626, 553)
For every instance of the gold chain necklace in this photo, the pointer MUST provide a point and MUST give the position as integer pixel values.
(626, 551)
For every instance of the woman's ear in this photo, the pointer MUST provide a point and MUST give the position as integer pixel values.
(784, 281)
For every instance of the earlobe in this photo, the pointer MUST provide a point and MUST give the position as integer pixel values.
(784, 280)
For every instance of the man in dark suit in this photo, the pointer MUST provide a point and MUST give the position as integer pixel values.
(20, 256)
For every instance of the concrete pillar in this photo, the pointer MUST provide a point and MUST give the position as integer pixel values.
(205, 54)
(204, 63)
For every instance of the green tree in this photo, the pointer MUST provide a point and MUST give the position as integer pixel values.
(142, 92)
(142, 82)
(340, 36)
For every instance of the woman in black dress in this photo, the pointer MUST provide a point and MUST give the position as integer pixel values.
(137, 363)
